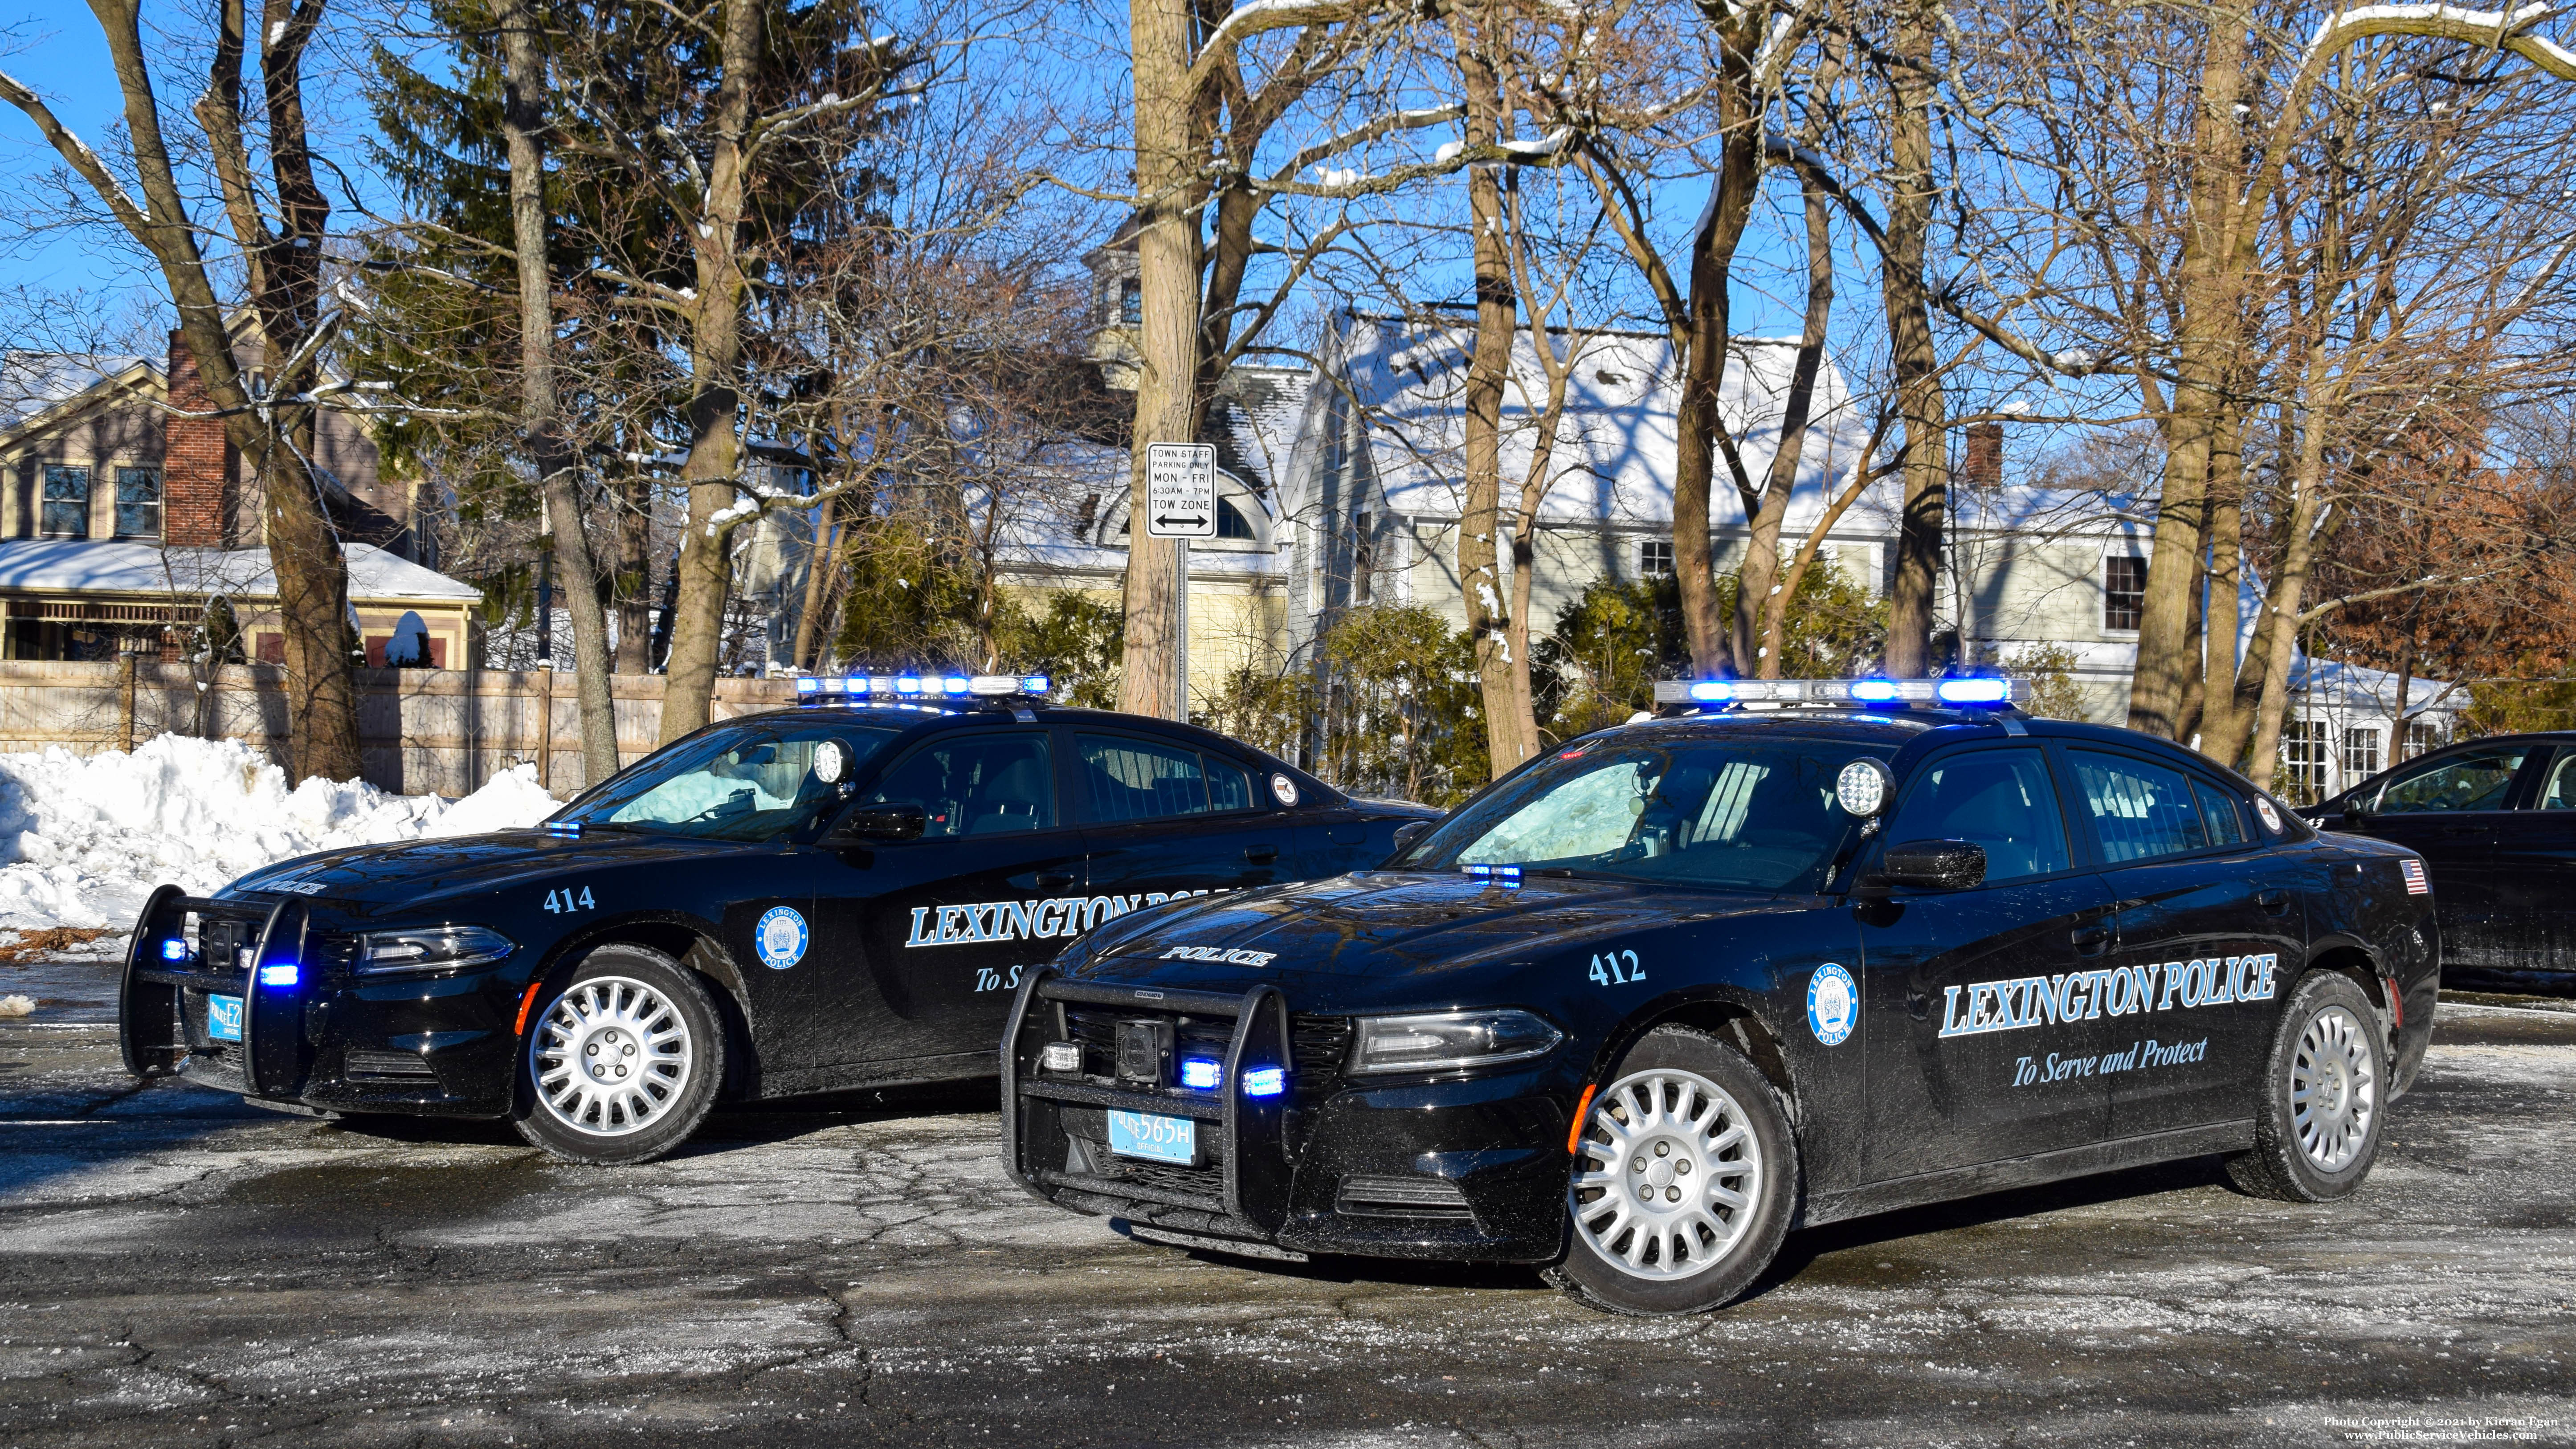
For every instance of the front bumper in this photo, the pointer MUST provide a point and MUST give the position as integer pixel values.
(1462, 1169)
(441, 1045)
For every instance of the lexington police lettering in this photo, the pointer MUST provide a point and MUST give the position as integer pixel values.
(2110, 991)
(991, 921)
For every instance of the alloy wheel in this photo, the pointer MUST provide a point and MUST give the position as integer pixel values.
(1668, 1174)
(2334, 1089)
(611, 1056)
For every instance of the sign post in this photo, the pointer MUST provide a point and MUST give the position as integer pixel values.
(1180, 504)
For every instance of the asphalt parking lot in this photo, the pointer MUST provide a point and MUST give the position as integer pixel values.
(178, 1269)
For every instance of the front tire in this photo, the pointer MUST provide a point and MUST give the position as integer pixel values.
(2322, 1098)
(1683, 1182)
(623, 1062)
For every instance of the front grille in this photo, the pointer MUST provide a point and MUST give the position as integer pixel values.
(1318, 1045)
(1401, 1197)
(368, 1065)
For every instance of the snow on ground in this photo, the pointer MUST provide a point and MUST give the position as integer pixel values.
(83, 839)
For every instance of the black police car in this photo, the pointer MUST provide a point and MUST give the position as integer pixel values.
(794, 902)
(2495, 820)
(1641, 1007)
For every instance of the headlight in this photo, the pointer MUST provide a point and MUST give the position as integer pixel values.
(1450, 1039)
(431, 948)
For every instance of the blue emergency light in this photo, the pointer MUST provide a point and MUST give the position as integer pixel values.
(174, 950)
(1981, 691)
(910, 688)
(1200, 1074)
(1265, 1081)
(280, 973)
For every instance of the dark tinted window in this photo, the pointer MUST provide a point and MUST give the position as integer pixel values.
(2218, 812)
(1998, 799)
(1131, 779)
(975, 784)
(2470, 780)
(2139, 811)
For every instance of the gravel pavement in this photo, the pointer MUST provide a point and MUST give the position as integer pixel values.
(176, 1268)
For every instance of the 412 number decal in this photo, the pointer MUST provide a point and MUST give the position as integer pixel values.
(558, 902)
(1606, 968)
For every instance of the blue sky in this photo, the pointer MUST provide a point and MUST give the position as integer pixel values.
(59, 53)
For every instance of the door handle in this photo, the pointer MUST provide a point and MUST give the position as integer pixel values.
(2275, 901)
(1053, 880)
(2090, 940)
(1261, 854)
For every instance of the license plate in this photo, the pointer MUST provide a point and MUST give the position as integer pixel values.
(1160, 1139)
(223, 1018)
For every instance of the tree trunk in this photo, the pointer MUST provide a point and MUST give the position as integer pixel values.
(635, 578)
(550, 446)
(1762, 600)
(1167, 257)
(1489, 366)
(1921, 401)
(1730, 207)
(2281, 608)
(705, 567)
(821, 561)
(2220, 724)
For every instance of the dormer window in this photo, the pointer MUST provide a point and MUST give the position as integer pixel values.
(1131, 303)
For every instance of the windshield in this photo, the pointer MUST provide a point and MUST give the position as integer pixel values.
(1736, 816)
(751, 784)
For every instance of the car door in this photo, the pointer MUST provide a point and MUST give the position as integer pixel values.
(2533, 878)
(941, 927)
(1161, 818)
(2210, 922)
(2447, 808)
(1979, 1045)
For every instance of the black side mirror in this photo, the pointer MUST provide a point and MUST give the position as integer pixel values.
(1407, 833)
(879, 824)
(2353, 814)
(1940, 865)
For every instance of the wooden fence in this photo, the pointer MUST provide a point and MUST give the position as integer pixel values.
(419, 730)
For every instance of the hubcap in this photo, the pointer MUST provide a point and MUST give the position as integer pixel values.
(2334, 1089)
(610, 1057)
(1667, 1175)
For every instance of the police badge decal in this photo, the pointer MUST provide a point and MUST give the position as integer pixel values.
(780, 937)
(1833, 1004)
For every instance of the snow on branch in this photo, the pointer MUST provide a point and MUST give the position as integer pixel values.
(73, 149)
(2499, 29)
(1362, 135)
(1255, 17)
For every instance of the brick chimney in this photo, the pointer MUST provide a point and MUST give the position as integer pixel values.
(1984, 465)
(200, 472)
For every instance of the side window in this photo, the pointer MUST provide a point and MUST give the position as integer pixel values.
(2559, 791)
(66, 512)
(138, 503)
(2218, 812)
(2475, 780)
(976, 784)
(1999, 799)
(2139, 811)
(1132, 779)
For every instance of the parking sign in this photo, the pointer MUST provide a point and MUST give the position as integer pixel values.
(1180, 490)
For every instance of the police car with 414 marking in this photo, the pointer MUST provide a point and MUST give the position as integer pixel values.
(1793, 952)
(836, 896)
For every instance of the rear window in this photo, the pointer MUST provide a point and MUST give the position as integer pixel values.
(2139, 811)
(1124, 778)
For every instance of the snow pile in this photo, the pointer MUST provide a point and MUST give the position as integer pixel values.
(83, 839)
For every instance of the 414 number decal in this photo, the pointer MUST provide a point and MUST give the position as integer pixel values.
(1606, 968)
(558, 902)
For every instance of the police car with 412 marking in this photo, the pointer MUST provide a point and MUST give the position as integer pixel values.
(842, 895)
(1795, 951)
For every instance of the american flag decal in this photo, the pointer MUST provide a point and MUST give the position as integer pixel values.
(2413, 870)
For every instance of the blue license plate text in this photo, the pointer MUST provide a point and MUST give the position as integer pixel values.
(1162, 1139)
(224, 1018)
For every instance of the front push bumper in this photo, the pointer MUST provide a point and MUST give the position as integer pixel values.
(1457, 1169)
(312, 1035)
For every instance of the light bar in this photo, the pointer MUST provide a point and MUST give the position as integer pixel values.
(835, 688)
(1864, 692)
(1501, 875)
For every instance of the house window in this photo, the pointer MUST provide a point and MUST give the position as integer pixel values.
(1655, 558)
(138, 503)
(2360, 753)
(1131, 303)
(2303, 751)
(2421, 735)
(1230, 522)
(66, 502)
(2124, 591)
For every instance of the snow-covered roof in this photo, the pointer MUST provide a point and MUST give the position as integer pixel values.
(1253, 421)
(65, 565)
(2055, 512)
(34, 383)
(1615, 452)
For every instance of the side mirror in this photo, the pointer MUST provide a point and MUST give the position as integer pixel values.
(879, 824)
(1407, 833)
(2353, 814)
(1940, 865)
